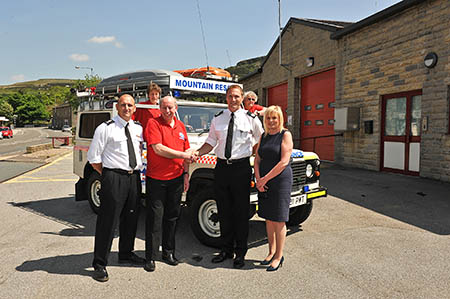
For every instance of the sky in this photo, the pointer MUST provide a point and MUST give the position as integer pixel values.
(48, 38)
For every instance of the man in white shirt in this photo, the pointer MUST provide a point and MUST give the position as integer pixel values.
(233, 135)
(115, 153)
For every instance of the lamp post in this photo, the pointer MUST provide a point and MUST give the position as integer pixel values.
(86, 67)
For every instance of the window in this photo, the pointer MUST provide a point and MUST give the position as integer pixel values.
(308, 108)
(319, 122)
(319, 106)
(308, 123)
(90, 121)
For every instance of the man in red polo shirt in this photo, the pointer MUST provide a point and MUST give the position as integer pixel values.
(143, 114)
(167, 178)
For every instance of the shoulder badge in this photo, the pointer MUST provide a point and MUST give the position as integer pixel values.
(218, 113)
(137, 123)
(108, 122)
(251, 114)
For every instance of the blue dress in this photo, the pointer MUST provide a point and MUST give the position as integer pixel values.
(274, 203)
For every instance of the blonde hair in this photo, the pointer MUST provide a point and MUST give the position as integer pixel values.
(271, 111)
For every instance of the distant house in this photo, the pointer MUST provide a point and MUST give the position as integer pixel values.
(62, 115)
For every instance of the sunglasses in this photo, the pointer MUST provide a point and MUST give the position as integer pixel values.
(250, 99)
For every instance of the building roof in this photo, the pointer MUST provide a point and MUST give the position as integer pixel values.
(379, 16)
(327, 25)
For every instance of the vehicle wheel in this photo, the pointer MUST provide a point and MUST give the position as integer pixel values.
(205, 219)
(93, 191)
(298, 215)
(252, 211)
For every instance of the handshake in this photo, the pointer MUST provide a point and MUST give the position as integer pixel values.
(191, 156)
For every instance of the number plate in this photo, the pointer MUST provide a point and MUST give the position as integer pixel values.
(298, 200)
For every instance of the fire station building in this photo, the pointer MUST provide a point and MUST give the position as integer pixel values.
(374, 94)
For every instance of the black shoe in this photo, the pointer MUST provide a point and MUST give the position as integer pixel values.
(170, 259)
(266, 262)
(270, 269)
(238, 262)
(132, 259)
(100, 274)
(150, 266)
(221, 257)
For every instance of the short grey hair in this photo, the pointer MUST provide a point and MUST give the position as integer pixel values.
(250, 93)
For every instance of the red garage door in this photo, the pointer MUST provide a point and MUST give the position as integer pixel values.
(277, 95)
(317, 114)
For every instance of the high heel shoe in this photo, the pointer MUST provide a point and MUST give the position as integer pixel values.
(266, 262)
(270, 269)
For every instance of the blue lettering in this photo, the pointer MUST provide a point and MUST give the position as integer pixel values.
(177, 82)
(184, 83)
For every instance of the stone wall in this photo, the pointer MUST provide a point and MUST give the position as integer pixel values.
(299, 42)
(386, 58)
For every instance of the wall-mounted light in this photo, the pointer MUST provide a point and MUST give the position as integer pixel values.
(309, 61)
(430, 60)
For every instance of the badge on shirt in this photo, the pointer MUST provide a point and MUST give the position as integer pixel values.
(182, 136)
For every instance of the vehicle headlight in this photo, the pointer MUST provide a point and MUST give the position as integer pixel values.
(309, 170)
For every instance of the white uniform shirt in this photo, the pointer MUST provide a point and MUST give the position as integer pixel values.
(247, 131)
(109, 145)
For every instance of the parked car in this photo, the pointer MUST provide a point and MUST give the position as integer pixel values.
(6, 132)
(67, 128)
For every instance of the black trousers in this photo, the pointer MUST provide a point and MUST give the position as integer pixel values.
(232, 192)
(163, 211)
(119, 197)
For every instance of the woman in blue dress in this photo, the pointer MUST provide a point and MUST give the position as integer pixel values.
(273, 176)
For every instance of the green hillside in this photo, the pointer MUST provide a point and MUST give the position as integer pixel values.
(245, 67)
(38, 84)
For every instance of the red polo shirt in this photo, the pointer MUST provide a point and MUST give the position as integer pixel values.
(143, 114)
(157, 131)
(256, 108)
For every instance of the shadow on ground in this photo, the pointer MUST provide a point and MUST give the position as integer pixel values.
(421, 202)
(80, 221)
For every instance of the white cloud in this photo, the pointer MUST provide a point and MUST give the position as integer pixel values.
(79, 57)
(19, 77)
(104, 40)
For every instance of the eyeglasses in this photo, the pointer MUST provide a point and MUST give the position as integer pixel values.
(251, 99)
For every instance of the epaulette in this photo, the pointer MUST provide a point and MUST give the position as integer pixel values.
(108, 122)
(218, 113)
(137, 123)
(251, 114)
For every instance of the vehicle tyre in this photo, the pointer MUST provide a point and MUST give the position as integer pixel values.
(93, 191)
(299, 214)
(252, 211)
(205, 219)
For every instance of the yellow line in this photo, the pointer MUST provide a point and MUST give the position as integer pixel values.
(38, 169)
(40, 181)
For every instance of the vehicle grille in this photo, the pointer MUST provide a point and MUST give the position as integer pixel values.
(298, 175)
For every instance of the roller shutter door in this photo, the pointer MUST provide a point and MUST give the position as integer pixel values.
(277, 95)
(317, 114)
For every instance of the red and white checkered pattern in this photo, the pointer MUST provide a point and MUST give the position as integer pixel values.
(207, 159)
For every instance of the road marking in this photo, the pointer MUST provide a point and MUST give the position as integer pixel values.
(20, 178)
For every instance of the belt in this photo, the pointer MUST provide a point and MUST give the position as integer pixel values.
(233, 161)
(121, 171)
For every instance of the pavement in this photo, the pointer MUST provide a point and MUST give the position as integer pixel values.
(376, 235)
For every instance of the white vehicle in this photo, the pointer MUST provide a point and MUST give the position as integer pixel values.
(197, 117)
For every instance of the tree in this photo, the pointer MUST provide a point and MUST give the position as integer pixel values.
(6, 109)
(28, 107)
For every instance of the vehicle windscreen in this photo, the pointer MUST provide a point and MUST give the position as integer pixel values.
(197, 119)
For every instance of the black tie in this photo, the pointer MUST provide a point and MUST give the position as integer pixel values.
(229, 137)
(131, 154)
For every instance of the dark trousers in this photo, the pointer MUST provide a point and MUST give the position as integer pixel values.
(232, 192)
(163, 211)
(119, 197)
